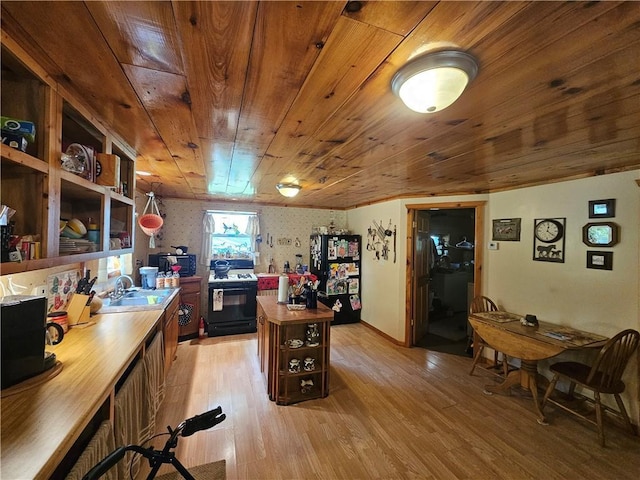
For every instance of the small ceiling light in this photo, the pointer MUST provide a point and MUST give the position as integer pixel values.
(434, 81)
(142, 173)
(288, 189)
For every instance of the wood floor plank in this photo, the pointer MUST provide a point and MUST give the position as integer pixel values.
(391, 413)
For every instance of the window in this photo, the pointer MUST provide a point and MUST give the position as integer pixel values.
(229, 235)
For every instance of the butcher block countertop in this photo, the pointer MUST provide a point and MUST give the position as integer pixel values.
(40, 424)
(279, 314)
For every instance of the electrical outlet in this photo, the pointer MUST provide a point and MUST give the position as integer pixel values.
(493, 245)
(40, 290)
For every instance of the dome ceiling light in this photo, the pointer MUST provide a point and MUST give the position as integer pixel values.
(431, 82)
(288, 189)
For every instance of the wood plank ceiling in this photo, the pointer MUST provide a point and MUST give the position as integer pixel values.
(222, 100)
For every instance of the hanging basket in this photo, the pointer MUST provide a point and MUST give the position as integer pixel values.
(151, 222)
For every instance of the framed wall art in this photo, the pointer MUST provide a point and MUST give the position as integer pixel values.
(548, 239)
(600, 234)
(506, 230)
(602, 208)
(600, 260)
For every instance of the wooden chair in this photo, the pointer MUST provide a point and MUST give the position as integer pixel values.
(603, 376)
(485, 304)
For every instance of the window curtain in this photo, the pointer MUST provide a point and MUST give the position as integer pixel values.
(208, 228)
(253, 229)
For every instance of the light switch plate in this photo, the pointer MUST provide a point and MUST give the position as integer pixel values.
(493, 246)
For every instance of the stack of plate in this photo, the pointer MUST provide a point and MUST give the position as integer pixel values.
(70, 246)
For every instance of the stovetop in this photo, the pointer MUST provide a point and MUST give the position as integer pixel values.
(241, 271)
(234, 277)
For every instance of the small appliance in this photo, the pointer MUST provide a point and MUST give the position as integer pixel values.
(187, 263)
(23, 334)
(148, 277)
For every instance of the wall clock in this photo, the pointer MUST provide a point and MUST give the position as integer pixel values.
(548, 239)
(600, 234)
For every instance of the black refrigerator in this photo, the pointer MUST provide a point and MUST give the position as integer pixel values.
(335, 260)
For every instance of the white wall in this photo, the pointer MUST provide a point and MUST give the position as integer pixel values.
(566, 293)
(599, 301)
(383, 284)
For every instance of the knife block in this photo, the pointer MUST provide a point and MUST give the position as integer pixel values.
(78, 310)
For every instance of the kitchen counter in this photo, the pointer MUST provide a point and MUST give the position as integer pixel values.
(39, 425)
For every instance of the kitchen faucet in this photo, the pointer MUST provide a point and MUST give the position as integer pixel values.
(119, 286)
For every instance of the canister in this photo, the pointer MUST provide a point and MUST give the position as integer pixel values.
(93, 233)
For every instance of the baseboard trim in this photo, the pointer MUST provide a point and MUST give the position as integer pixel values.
(382, 334)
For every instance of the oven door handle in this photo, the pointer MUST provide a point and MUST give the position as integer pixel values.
(232, 291)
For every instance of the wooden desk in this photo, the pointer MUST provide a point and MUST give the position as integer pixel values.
(276, 327)
(504, 332)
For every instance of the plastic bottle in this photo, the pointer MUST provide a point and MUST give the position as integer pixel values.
(160, 280)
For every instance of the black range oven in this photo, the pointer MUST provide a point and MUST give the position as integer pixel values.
(232, 301)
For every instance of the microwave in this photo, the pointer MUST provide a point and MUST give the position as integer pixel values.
(187, 263)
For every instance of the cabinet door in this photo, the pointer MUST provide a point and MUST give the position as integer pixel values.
(190, 294)
(170, 333)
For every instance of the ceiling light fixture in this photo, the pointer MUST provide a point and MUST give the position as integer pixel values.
(288, 189)
(434, 81)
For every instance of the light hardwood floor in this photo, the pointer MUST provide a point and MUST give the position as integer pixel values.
(392, 412)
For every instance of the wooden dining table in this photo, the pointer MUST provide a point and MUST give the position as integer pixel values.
(505, 332)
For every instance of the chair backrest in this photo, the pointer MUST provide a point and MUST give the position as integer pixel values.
(482, 304)
(613, 358)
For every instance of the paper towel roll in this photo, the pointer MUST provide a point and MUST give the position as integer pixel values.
(283, 289)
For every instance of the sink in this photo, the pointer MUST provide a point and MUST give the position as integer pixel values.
(140, 293)
(138, 298)
(149, 300)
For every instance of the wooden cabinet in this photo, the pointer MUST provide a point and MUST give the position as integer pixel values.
(283, 338)
(33, 182)
(190, 294)
(170, 333)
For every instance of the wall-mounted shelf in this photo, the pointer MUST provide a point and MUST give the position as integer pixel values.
(34, 184)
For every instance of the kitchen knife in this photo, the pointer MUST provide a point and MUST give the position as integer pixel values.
(87, 289)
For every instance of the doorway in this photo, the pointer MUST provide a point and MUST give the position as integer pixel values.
(444, 274)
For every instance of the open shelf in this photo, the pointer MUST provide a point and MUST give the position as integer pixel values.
(35, 185)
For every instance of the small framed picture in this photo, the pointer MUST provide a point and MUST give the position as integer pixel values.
(600, 260)
(600, 234)
(506, 229)
(602, 208)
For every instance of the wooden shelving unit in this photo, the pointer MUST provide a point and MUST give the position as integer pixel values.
(277, 326)
(34, 184)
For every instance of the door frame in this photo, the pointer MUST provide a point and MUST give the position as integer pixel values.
(479, 228)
